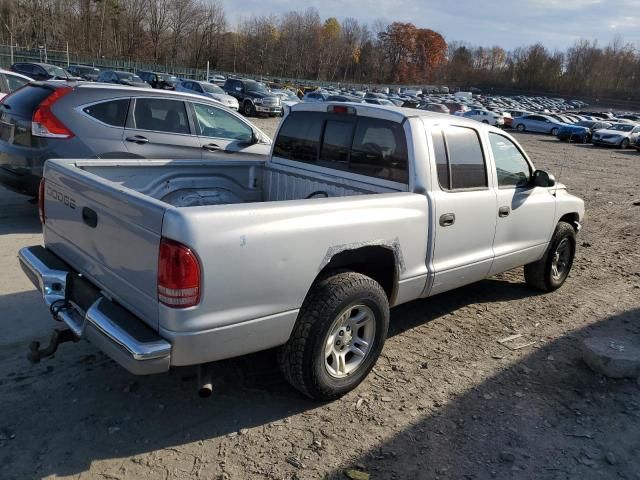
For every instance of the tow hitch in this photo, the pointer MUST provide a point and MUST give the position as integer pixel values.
(57, 337)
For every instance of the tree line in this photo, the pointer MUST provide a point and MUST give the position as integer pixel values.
(301, 44)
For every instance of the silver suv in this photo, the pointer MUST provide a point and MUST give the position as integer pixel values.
(47, 120)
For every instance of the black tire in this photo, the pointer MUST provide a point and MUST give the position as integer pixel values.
(624, 144)
(248, 109)
(540, 274)
(302, 359)
(520, 127)
(554, 131)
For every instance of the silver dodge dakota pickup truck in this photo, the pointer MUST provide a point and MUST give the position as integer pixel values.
(358, 208)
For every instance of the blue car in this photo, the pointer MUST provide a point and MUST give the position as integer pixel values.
(537, 123)
(581, 131)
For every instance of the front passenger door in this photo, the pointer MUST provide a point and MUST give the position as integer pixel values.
(160, 128)
(525, 213)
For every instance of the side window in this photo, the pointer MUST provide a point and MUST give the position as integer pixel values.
(442, 164)
(465, 164)
(113, 112)
(512, 168)
(466, 159)
(215, 122)
(161, 115)
(380, 150)
(299, 137)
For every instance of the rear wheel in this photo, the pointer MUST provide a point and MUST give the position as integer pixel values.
(554, 131)
(338, 337)
(550, 272)
(624, 144)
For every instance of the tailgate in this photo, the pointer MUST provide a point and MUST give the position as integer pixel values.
(108, 233)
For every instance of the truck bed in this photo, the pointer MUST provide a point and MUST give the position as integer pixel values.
(106, 218)
(187, 184)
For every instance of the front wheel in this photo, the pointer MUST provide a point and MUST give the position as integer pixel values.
(554, 132)
(624, 144)
(520, 127)
(248, 109)
(338, 337)
(550, 272)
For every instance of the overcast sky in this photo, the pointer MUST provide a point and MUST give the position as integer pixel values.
(508, 23)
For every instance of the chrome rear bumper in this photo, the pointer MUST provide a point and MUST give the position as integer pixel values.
(117, 332)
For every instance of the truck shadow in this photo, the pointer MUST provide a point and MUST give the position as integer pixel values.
(547, 416)
(79, 406)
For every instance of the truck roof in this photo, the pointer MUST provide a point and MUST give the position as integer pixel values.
(397, 114)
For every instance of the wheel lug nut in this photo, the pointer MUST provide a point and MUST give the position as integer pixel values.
(348, 328)
(341, 333)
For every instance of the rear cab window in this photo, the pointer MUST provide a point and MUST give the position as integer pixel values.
(357, 144)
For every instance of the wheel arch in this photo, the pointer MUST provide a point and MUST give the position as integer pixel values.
(572, 219)
(380, 262)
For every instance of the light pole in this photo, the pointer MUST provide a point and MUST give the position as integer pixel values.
(10, 40)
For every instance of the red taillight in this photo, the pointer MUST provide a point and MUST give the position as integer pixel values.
(44, 123)
(41, 201)
(178, 275)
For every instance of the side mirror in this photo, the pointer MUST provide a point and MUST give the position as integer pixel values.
(543, 179)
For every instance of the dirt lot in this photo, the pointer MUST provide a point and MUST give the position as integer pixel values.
(446, 400)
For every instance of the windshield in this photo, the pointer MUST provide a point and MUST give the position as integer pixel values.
(209, 88)
(86, 69)
(57, 71)
(128, 76)
(622, 128)
(256, 87)
(167, 78)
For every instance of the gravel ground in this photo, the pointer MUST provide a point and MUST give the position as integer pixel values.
(446, 400)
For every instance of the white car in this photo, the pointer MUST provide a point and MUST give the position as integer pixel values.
(287, 97)
(11, 81)
(621, 135)
(208, 90)
(485, 116)
(217, 79)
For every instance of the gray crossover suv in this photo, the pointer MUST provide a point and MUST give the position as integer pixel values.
(88, 120)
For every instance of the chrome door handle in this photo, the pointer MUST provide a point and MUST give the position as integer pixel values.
(212, 147)
(504, 212)
(447, 219)
(139, 139)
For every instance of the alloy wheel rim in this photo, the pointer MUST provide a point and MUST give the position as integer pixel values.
(561, 259)
(350, 341)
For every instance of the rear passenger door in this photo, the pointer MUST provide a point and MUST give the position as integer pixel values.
(160, 128)
(101, 126)
(465, 209)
